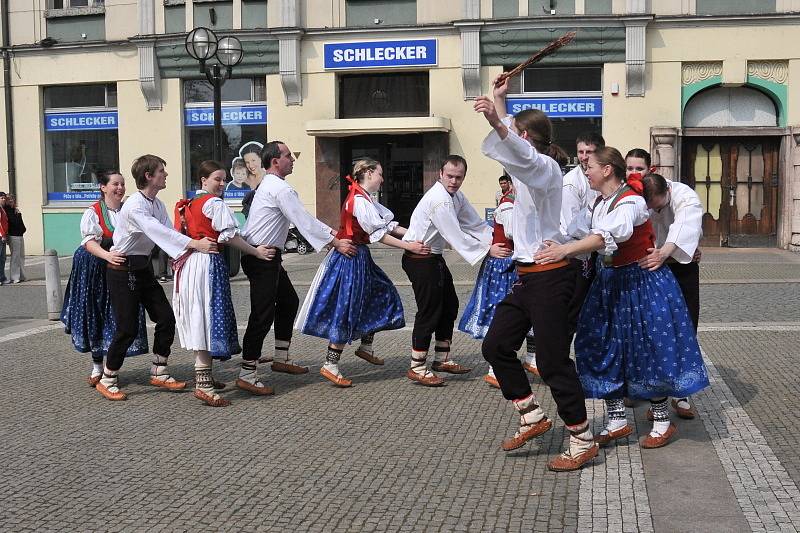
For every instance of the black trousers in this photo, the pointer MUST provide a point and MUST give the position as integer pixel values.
(437, 302)
(272, 299)
(688, 277)
(541, 300)
(128, 290)
(584, 275)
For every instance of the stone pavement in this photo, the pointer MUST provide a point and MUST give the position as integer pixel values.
(388, 455)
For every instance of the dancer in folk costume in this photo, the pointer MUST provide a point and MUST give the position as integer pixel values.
(634, 335)
(272, 296)
(201, 297)
(442, 216)
(495, 279)
(351, 297)
(141, 224)
(540, 299)
(87, 314)
(677, 217)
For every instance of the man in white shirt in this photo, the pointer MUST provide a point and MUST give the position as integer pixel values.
(505, 188)
(443, 216)
(272, 297)
(576, 199)
(143, 223)
(676, 214)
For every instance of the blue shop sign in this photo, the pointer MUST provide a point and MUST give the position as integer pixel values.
(96, 120)
(558, 107)
(382, 54)
(73, 196)
(231, 115)
(235, 195)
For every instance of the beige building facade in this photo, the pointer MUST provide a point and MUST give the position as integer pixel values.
(705, 85)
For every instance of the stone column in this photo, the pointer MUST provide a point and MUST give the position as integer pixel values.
(663, 145)
(793, 190)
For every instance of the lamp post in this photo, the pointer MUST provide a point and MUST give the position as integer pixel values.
(203, 45)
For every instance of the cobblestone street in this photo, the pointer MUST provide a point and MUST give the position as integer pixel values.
(388, 455)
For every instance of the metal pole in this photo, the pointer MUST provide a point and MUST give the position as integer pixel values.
(217, 81)
(52, 276)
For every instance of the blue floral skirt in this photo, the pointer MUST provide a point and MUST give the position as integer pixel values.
(635, 337)
(494, 282)
(87, 313)
(350, 297)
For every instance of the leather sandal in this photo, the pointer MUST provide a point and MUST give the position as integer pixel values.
(288, 368)
(492, 381)
(449, 367)
(524, 435)
(94, 380)
(429, 379)
(661, 440)
(369, 357)
(686, 414)
(113, 396)
(339, 381)
(532, 369)
(621, 433)
(252, 388)
(567, 462)
(210, 400)
(166, 384)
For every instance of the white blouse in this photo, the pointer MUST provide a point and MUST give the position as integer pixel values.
(504, 215)
(441, 218)
(680, 222)
(374, 219)
(537, 191)
(90, 225)
(617, 226)
(143, 223)
(222, 218)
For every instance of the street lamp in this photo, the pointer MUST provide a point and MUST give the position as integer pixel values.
(203, 45)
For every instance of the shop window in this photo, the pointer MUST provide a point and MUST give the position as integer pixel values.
(254, 14)
(175, 18)
(380, 12)
(67, 4)
(734, 7)
(405, 94)
(597, 7)
(81, 139)
(76, 28)
(244, 119)
(214, 15)
(505, 8)
(571, 96)
(539, 8)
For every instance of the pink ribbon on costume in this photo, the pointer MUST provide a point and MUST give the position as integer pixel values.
(634, 181)
(177, 266)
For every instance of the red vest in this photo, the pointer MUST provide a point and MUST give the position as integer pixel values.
(190, 220)
(499, 233)
(107, 232)
(349, 228)
(636, 247)
(3, 224)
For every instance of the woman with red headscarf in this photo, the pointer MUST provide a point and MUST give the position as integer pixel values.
(634, 337)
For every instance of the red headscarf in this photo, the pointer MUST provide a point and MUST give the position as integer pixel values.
(634, 181)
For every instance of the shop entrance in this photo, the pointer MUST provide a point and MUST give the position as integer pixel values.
(737, 181)
(401, 157)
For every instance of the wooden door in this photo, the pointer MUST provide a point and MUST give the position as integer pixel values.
(736, 179)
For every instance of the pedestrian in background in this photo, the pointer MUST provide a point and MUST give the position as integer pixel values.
(16, 241)
(3, 237)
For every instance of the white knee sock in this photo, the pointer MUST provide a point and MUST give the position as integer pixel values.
(441, 351)
(282, 351)
(418, 363)
(529, 411)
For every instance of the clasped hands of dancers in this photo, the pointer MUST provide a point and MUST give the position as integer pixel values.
(577, 255)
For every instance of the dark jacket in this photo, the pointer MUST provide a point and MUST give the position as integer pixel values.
(16, 227)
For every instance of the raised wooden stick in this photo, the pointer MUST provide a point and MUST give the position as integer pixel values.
(538, 56)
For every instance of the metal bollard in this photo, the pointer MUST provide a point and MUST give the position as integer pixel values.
(52, 277)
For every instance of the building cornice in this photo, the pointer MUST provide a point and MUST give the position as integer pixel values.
(36, 48)
(706, 21)
(377, 33)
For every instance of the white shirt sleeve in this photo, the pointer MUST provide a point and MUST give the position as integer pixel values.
(222, 219)
(520, 159)
(90, 227)
(315, 232)
(617, 226)
(503, 215)
(571, 205)
(159, 230)
(687, 229)
(372, 219)
(471, 248)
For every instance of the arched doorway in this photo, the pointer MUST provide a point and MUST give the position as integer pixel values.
(731, 159)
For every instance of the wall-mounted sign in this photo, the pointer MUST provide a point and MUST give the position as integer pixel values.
(558, 107)
(231, 115)
(381, 54)
(72, 196)
(97, 120)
